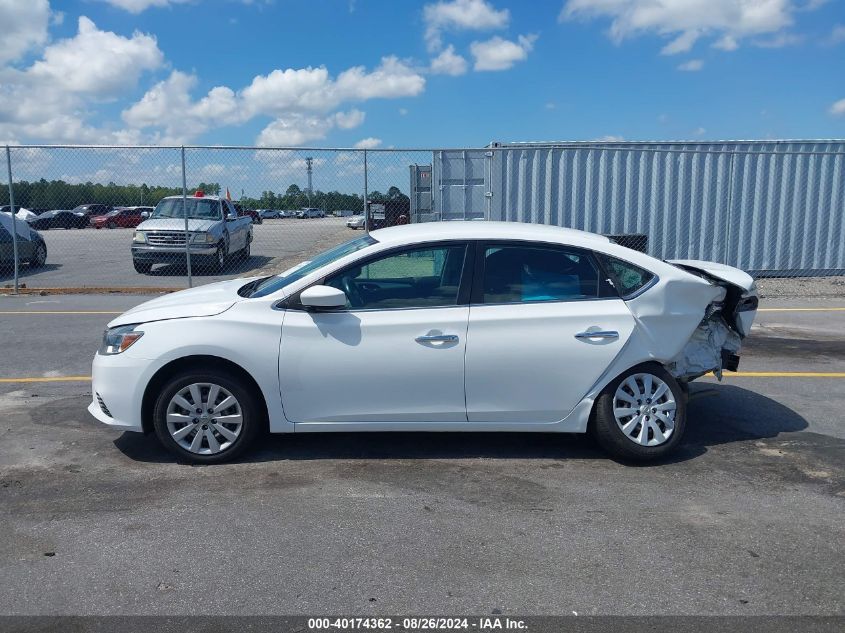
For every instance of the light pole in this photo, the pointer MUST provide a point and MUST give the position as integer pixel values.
(308, 161)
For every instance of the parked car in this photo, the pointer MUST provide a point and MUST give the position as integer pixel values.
(252, 214)
(91, 210)
(269, 213)
(59, 219)
(357, 222)
(568, 332)
(216, 232)
(123, 217)
(287, 213)
(311, 213)
(31, 247)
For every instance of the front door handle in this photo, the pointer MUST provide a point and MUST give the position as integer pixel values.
(597, 334)
(437, 338)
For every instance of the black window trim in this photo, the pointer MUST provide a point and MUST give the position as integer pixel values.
(464, 286)
(477, 297)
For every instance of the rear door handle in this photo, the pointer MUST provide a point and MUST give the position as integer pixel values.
(437, 338)
(597, 334)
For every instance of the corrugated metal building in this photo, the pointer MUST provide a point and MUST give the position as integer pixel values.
(770, 207)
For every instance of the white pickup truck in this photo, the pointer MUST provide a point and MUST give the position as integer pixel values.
(215, 231)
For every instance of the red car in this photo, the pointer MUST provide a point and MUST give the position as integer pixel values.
(123, 217)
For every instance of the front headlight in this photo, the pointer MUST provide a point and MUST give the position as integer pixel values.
(119, 339)
(139, 236)
(203, 238)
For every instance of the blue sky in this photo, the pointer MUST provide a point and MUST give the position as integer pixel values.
(414, 74)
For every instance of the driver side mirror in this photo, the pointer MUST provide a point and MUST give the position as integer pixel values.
(231, 216)
(145, 214)
(323, 297)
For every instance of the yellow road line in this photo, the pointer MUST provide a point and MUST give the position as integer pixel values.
(59, 312)
(50, 379)
(784, 374)
(801, 310)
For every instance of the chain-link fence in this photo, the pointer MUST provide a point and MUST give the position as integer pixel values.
(168, 217)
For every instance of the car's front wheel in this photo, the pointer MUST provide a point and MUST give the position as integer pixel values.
(142, 267)
(641, 415)
(206, 416)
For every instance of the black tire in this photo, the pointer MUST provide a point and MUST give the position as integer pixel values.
(142, 267)
(607, 432)
(112, 225)
(39, 258)
(246, 251)
(218, 262)
(252, 419)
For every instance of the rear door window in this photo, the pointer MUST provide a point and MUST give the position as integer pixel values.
(533, 273)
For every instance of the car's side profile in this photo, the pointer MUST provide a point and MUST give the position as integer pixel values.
(480, 326)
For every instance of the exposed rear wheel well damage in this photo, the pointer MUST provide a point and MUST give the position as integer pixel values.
(196, 362)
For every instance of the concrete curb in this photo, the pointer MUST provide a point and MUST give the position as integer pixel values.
(128, 290)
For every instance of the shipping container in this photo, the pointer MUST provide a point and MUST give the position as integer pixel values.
(770, 207)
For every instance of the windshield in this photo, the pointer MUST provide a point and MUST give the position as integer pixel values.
(272, 284)
(197, 208)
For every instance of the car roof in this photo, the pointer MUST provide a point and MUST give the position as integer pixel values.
(481, 230)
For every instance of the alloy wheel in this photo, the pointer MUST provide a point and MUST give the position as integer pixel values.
(644, 407)
(204, 418)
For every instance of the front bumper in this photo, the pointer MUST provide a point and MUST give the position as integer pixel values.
(163, 254)
(119, 381)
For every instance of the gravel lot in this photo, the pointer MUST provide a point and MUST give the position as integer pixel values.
(747, 519)
(90, 258)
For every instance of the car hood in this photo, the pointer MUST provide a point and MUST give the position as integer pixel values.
(176, 224)
(730, 274)
(206, 300)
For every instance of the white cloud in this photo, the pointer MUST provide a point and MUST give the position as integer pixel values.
(779, 41)
(457, 15)
(95, 62)
(692, 65)
(138, 6)
(699, 131)
(837, 35)
(610, 138)
(838, 108)
(51, 99)
(681, 44)
(300, 101)
(24, 27)
(403, 111)
(685, 21)
(294, 129)
(349, 120)
(449, 63)
(726, 43)
(500, 54)
(368, 143)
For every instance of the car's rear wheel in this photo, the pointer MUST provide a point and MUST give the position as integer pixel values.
(39, 257)
(641, 415)
(142, 267)
(206, 416)
(112, 225)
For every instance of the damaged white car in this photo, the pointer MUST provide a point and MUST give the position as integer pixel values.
(459, 326)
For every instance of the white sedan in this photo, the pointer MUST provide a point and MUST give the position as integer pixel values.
(356, 222)
(459, 326)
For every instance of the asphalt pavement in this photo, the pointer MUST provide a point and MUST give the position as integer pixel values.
(97, 258)
(746, 519)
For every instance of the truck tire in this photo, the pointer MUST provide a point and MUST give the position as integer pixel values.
(142, 267)
(218, 263)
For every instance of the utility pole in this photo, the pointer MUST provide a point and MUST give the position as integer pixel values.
(308, 162)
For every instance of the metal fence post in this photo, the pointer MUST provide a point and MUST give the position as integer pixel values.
(366, 193)
(14, 217)
(185, 213)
